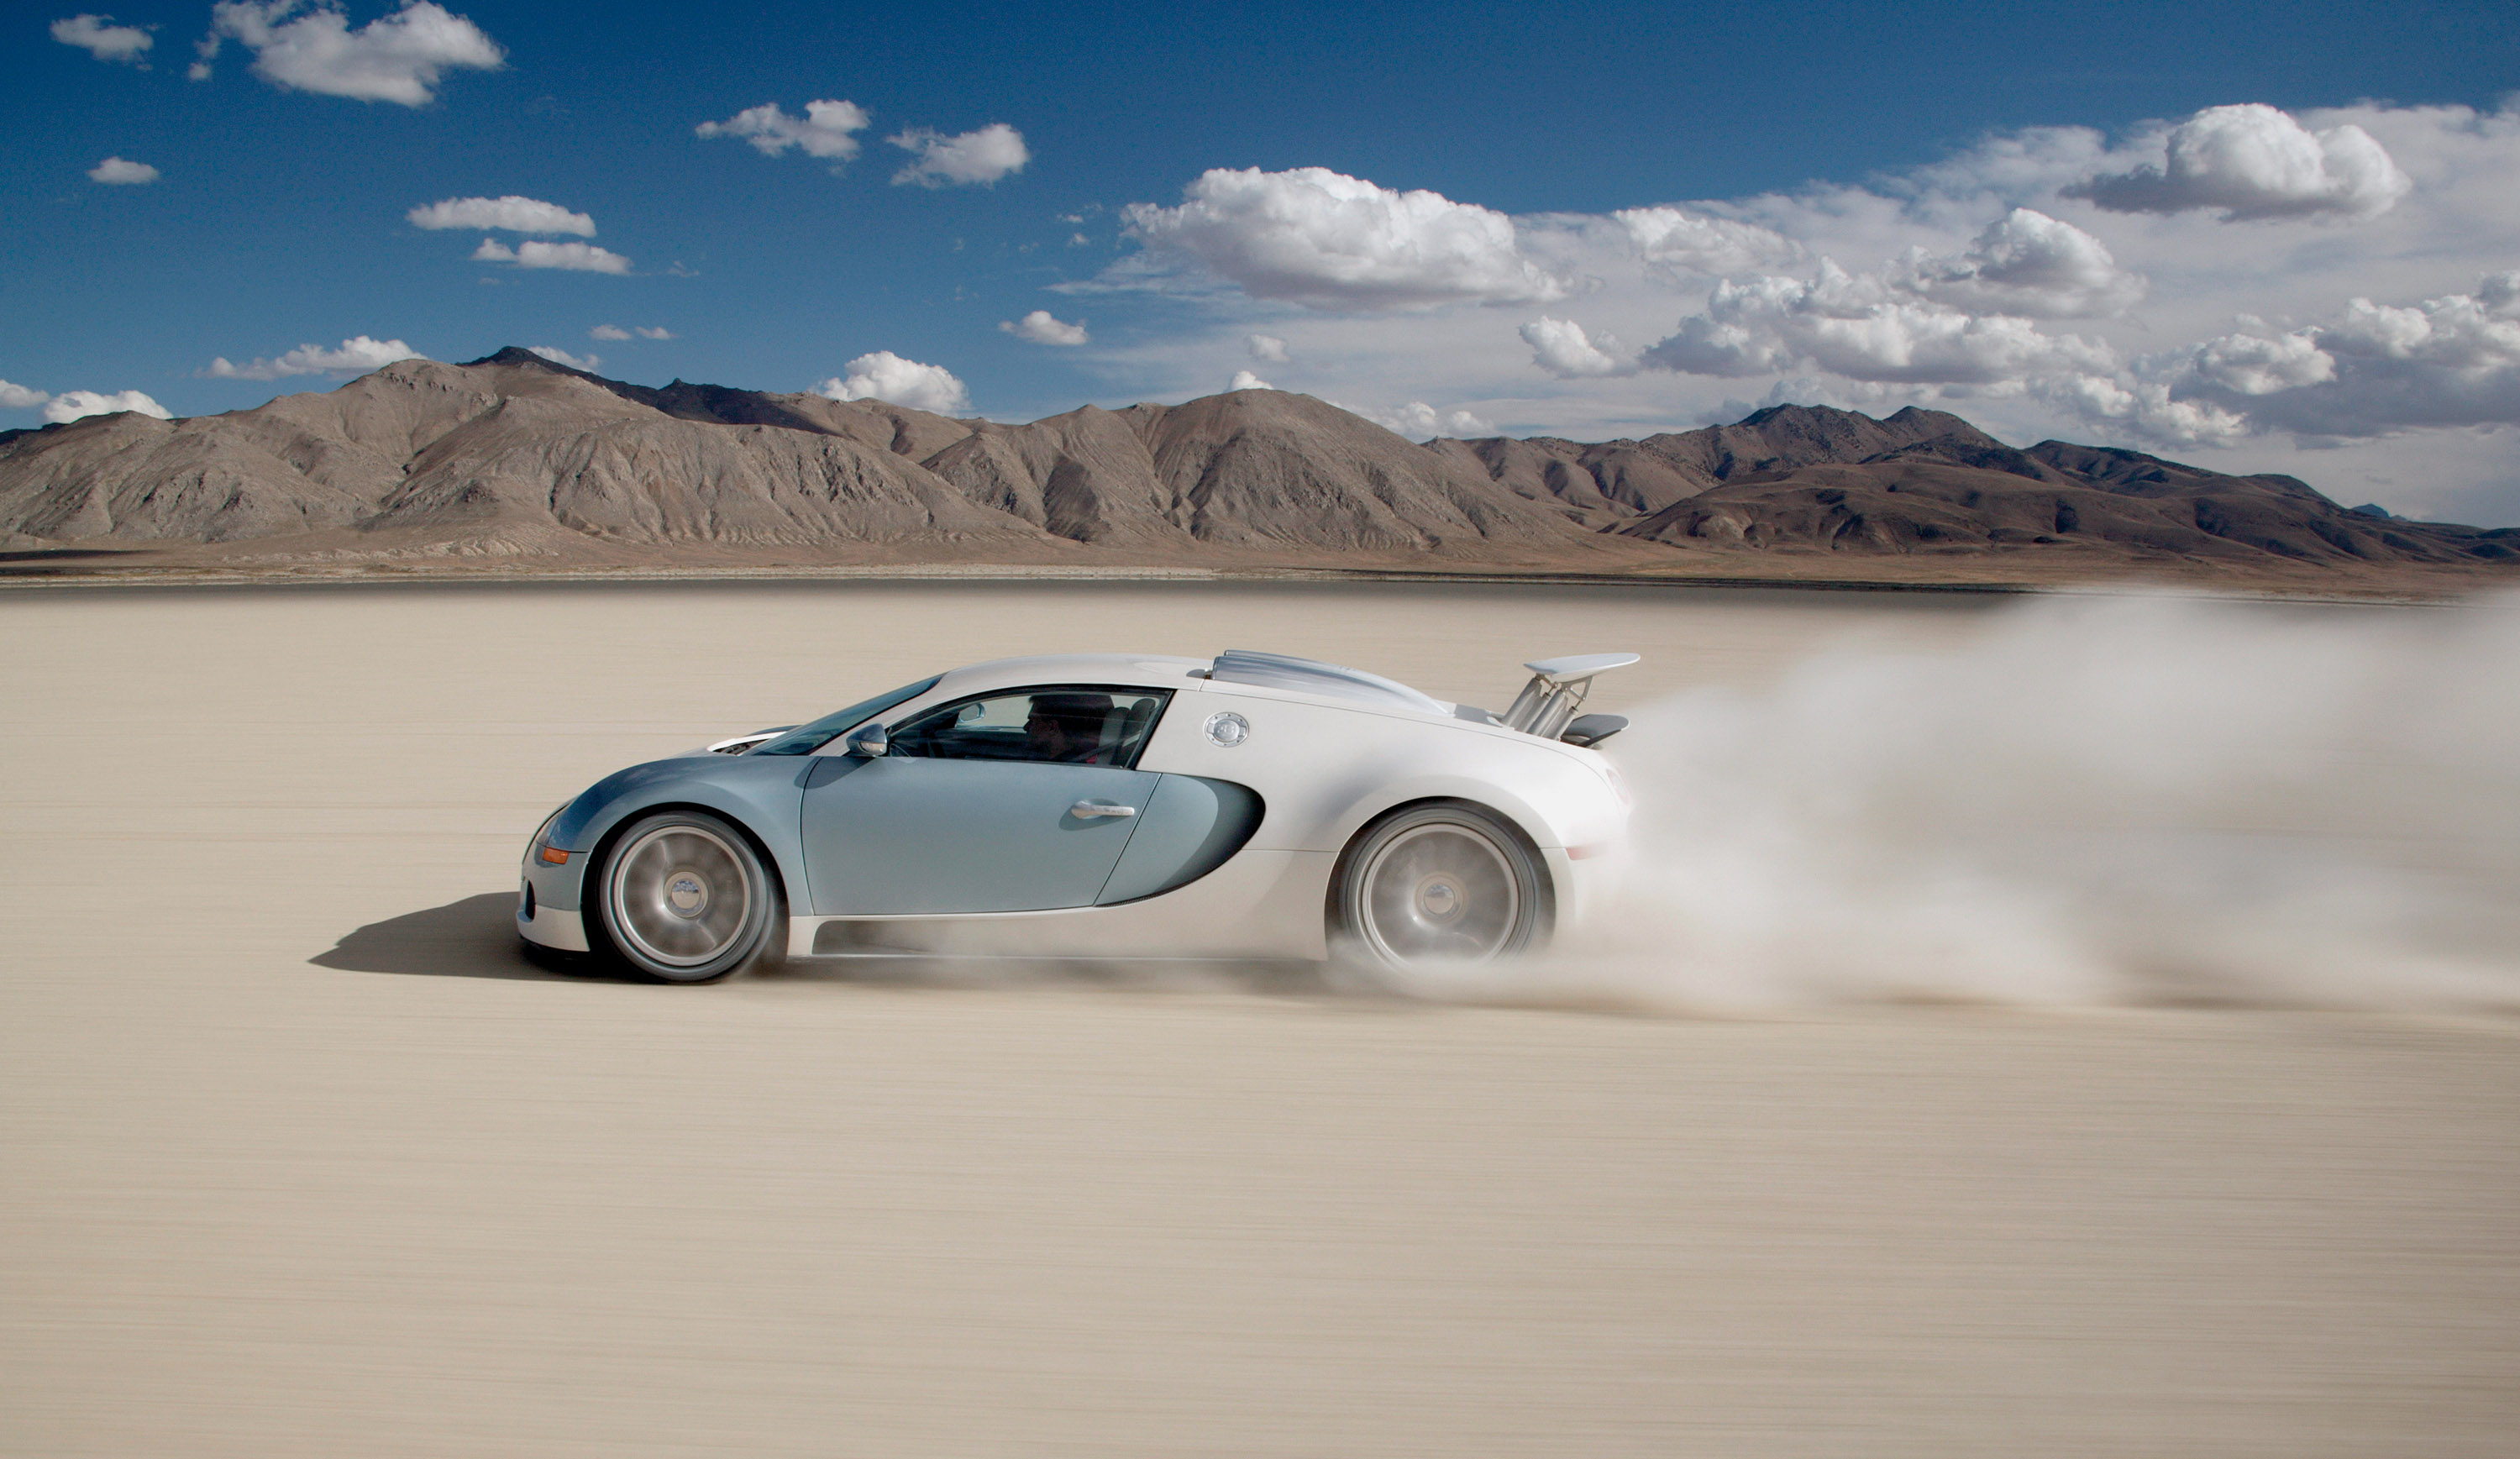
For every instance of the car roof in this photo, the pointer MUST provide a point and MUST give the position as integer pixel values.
(1295, 678)
(1149, 670)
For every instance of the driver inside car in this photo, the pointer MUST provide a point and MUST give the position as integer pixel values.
(1067, 727)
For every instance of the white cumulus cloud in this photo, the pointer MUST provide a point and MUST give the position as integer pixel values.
(20, 397)
(103, 40)
(607, 331)
(558, 356)
(1680, 244)
(1244, 379)
(397, 57)
(1331, 242)
(512, 213)
(1268, 350)
(117, 170)
(652, 332)
(1419, 420)
(2026, 263)
(1859, 327)
(356, 355)
(983, 157)
(75, 405)
(2371, 370)
(827, 129)
(534, 254)
(2144, 407)
(1562, 348)
(886, 376)
(2255, 161)
(2261, 365)
(1041, 327)
(2375, 368)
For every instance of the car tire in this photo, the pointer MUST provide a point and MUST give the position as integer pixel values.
(683, 897)
(1440, 887)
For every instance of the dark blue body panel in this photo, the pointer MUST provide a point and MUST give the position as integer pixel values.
(764, 795)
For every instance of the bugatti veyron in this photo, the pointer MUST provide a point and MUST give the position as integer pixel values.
(1255, 806)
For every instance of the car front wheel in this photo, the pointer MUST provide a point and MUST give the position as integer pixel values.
(684, 898)
(1441, 886)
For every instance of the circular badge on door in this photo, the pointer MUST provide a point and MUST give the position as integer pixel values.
(1226, 729)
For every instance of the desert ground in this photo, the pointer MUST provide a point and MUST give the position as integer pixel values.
(298, 1156)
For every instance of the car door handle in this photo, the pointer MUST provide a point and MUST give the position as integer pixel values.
(1090, 809)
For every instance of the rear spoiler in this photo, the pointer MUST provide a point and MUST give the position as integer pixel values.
(1548, 704)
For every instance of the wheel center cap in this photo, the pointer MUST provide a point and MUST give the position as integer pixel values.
(1439, 899)
(687, 893)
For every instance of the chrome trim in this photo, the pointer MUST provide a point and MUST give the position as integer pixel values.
(1087, 810)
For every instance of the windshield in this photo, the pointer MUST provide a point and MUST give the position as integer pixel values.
(805, 739)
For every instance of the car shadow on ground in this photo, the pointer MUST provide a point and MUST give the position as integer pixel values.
(476, 938)
(473, 938)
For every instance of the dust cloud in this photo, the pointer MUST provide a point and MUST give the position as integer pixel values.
(2095, 801)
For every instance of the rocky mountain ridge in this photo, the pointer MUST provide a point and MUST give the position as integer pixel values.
(517, 455)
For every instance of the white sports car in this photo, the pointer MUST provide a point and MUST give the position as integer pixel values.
(1102, 806)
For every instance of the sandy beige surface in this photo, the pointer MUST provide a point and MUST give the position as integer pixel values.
(297, 1157)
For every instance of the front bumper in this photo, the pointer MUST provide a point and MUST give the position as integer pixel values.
(548, 900)
(549, 926)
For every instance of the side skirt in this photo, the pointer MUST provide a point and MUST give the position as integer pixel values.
(1262, 904)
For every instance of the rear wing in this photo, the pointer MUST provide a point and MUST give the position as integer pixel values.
(1548, 704)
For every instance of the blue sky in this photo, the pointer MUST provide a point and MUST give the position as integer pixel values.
(2214, 322)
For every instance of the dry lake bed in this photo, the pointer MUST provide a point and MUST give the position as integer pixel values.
(298, 1157)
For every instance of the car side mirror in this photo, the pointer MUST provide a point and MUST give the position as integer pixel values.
(868, 741)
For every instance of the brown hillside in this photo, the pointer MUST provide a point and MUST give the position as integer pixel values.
(518, 458)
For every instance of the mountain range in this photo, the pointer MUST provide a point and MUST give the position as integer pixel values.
(518, 461)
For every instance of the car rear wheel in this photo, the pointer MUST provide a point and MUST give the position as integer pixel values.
(684, 898)
(1432, 888)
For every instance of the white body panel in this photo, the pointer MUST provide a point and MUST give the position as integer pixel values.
(1327, 767)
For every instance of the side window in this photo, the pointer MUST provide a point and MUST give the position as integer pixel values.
(1051, 723)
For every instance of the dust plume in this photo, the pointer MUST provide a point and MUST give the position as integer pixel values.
(2098, 801)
